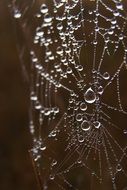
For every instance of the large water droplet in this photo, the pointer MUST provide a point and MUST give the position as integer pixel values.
(85, 126)
(90, 96)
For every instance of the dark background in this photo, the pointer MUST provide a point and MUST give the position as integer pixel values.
(16, 171)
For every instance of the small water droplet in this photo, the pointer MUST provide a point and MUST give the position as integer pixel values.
(100, 90)
(43, 8)
(47, 18)
(59, 50)
(125, 131)
(85, 126)
(17, 13)
(54, 162)
(97, 124)
(33, 96)
(80, 138)
(119, 6)
(46, 112)
(43, 148)
(52, 177)
(106, 75)
(116, 13)
(119, 167)
(83, 106)
(79, 117)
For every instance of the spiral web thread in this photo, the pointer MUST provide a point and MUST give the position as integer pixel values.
(78, 65)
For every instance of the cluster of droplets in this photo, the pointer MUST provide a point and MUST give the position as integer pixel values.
(84, 119)
(114, 33)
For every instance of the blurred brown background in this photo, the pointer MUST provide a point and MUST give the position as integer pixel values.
(15, 167)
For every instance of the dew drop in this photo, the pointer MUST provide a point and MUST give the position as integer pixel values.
(90, 96)
(46, 112)
(119, 6)
(43, 9)
(80, 138)
(59, 50)
(116, 13)
(17, 14)
(97, 124)
(33, 96)
(85, 126)
(47, 18)
(56, 110)
(52, 177)
(79, 117)
(106, 76)
(54, 162)
(39, 32)
(100, 90)
(119, 168)
(125, 131)
(83, 106)
(43, 148)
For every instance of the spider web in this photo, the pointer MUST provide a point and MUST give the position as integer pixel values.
(78, 107)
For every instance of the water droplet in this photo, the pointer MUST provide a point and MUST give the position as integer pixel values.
(69, 70)
(119, 167)
(79, 117)
(97, 124)
(95, 42)
(17, 13)
(39, 32)
(56, 110)
(90, 96)
(46, 112)
(85, 126)
(43, 8)
(83, 106)
(43, 148)
(59, 50)
(80, 67)
(119, 6)
(114, 21)
(59, 26)
(116, 13)
(33, 96)
(52, 177)
(47, 18)
(54, 162)
(125, 131)
(110, 32)
(37, 105)
(80, 138)
(106, 76)
(121, 36)
(100, 90)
